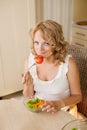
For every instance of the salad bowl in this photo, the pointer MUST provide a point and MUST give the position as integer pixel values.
(80, 124)
(34, 104)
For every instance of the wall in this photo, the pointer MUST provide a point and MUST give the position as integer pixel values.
(79, 10)
(58, 10)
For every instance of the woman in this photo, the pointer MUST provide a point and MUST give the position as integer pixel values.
(56, 79)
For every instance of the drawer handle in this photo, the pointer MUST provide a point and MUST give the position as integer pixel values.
(79, 44)
(81, 34)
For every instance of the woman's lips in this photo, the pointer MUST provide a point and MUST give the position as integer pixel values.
(41, 53)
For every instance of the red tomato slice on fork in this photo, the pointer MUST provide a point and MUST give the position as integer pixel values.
(38, 59)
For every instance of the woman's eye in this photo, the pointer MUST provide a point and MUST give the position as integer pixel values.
(43, 44)
(36, 42)
(47, 44)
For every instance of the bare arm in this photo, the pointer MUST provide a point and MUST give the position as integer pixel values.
(28, 90)
(74, 82)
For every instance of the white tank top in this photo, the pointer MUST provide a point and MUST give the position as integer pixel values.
(55, 89)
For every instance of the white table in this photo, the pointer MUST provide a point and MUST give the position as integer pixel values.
(15, 116)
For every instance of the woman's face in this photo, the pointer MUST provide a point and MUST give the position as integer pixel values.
(41, 46)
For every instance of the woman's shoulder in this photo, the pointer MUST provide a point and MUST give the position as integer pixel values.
(31, 60)
(69, 61)
(72, 64)
(68, 57)
(31, 56)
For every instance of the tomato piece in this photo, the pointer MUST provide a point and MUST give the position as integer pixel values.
(38, 59)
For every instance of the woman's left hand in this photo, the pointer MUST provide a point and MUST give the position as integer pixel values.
(51, 106)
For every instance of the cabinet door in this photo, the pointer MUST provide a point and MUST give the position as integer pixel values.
(79, 36)
(79, 42)
(14, 44)
(79, 33)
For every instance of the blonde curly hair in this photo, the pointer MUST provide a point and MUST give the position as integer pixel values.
(51, 31)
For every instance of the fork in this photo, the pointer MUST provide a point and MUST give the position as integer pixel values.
(23, 76)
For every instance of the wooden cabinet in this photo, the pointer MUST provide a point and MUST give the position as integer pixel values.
(79, 36)
(15, 21)
(79, 32)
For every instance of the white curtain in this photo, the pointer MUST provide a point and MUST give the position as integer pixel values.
(58, 10)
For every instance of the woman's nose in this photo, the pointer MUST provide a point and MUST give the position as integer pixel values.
(40, 47)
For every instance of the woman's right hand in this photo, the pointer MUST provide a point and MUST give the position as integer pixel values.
(27, 79)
